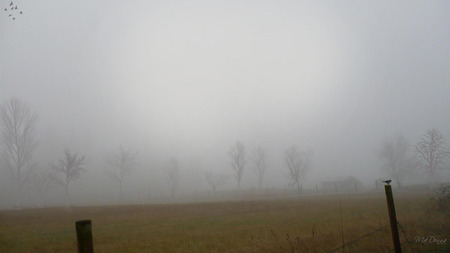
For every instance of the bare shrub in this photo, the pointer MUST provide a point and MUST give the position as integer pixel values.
(441, 198)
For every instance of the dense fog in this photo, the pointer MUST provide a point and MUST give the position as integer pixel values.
(187, 80)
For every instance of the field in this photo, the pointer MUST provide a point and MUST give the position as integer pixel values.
(319, 223)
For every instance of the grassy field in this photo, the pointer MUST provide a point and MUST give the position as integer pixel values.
(303, 224)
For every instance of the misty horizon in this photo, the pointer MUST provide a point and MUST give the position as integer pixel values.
(189, 80)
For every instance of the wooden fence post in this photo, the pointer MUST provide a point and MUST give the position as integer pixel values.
(392, 218)
(84, 236)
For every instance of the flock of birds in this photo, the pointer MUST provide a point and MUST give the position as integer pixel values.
(13, 11)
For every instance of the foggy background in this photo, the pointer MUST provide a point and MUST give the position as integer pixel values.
(187, 79)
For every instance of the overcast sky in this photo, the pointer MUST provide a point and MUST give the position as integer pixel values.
(190, 78)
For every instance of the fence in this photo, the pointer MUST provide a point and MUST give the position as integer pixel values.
(85, 242)
(383, 228)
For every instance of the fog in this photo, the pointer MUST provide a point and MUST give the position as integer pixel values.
(188, 79)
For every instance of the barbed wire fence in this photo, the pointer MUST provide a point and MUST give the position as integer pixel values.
(359, 238)
(406, 237)
(383, 228)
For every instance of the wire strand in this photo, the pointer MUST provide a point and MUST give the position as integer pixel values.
(359, 239)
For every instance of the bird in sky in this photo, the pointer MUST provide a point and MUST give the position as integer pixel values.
(15, 8)
(387, 181)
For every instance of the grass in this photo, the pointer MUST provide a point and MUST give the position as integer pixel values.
(304, 224)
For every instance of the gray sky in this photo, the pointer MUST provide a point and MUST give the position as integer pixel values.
(189, 78)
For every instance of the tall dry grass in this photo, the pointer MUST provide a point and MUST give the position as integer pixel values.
(303, 224)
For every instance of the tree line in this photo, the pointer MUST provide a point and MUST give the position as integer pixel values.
(17, 143)
(430, 156)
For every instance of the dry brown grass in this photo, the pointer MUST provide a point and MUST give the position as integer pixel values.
(304, 224)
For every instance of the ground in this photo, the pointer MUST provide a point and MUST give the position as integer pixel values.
(321, 223)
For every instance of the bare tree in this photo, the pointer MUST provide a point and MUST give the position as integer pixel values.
(17, 142)
(215, 180)
(121, 164)
(237, 154)
(259, 164)
(43, 181)
(68, 169)
(173, 175)
(432, 153)
(394, 156)
(298, 164)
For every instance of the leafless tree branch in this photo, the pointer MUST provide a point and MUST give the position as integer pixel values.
(298, 164)
(433, 153)
(67, 170)
(238, 161)
(215, 180)
(173, 175)
(394, 156)
(17, 141)
(43, 181)
(259, 164)
(121, 164)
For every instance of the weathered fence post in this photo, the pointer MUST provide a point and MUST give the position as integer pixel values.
(84, 236)
(392, 218)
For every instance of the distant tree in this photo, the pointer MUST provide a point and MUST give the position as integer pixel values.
(215, 180)
(298, 164)
(238, 161)
(121, 164)
(259, 164)
(441, 199)
(67, 170)
(172, 171)
(394, 156)
(43, 182)
(432, 153)
(195, 166)
(17, 142)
